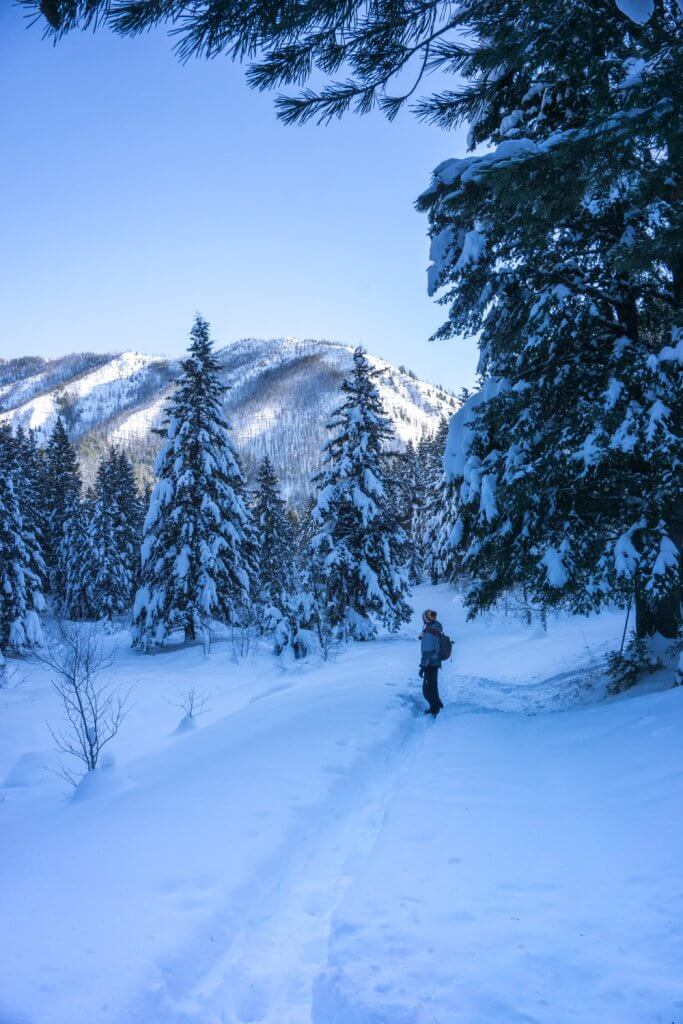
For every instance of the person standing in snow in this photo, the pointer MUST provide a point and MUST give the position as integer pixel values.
(430, 661)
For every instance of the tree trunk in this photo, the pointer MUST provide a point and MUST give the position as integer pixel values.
(627, 312)
(665, 618)
(189, 630)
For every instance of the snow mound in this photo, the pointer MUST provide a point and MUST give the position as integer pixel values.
(100, 783)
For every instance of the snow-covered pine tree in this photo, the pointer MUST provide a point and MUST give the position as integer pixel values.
(129, 515)
(282, 556)
(63, 490)
(295, 525)
(274, 538)
(196, 551)
(421, 476)
(400, 480)
(441, 560)
(307, 531)
(427, 463)
(561, 250)
(438, 512)
(31, 490)
(78, 560)
(21, 599)
(102, 564)
(357, 545)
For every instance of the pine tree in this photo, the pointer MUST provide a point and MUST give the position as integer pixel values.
(281, 555)
(356, 549)
(103, 547)
(78, 560)
(196, 552)
(295, 525)
(31, 490)
(561, 249)
(129, 515)
(112, 571)
(438, 512)
(275, 540)
(63, 491)
(428, 471)
(21, 599)
(400, 469)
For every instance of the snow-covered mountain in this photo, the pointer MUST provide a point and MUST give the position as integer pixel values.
(282, 391)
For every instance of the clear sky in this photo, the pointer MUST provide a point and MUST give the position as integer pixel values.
(136, 190)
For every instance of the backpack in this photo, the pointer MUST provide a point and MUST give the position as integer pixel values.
(444, 643)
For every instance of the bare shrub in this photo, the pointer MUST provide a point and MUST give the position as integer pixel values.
(93, 708)
(192, 702)
(244, 632)
(328, 638)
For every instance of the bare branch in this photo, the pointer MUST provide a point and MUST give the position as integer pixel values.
(93, 709)
(192, 702)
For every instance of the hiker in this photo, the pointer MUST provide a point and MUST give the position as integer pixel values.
(430, 662)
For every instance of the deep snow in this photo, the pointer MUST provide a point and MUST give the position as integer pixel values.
(316, 849)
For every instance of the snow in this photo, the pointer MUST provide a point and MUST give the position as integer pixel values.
(673, 353)
(461, 171)
(461, 434)
(471, 169)
(667, 557)
(613, 392)
(282, 392)
(555, 568)
(472, 248)
(634, 68)
(511, 122)
(657, 413)
(554, 921)
(488, 497)
(626, 556)
(314, 849)
(97, 393)
(440, 249)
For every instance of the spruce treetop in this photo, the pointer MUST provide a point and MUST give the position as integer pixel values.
(197, 551)
(358, 547)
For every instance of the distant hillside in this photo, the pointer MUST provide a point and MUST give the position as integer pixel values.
(282, 392)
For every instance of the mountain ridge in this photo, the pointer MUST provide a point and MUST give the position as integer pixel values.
(281, 392)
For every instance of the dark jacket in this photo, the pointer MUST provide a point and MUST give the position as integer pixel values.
(431, 645)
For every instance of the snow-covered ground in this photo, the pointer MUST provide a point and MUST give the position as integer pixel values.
(316, 849)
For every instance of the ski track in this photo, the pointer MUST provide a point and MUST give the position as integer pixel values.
(264, 973)
(267, 974)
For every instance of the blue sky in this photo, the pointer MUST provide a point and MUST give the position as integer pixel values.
(136, 190)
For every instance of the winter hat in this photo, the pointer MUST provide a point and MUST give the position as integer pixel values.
(428, 615)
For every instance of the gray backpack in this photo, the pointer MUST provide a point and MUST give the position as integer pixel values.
(445, 643)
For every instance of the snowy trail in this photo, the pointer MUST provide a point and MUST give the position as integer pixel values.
(268, 971)
(529, 872)
(319, 851)
(171, 888)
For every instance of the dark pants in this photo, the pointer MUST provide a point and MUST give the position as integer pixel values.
(430, 688)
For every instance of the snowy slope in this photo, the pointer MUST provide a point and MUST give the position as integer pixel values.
(317, 850)
(282, 393)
